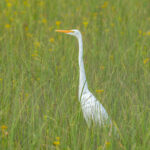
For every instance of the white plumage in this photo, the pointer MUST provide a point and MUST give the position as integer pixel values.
(93, 110)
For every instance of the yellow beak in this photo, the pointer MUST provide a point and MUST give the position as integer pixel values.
(64, 31)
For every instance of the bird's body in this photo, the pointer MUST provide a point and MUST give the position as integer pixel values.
(93, 110)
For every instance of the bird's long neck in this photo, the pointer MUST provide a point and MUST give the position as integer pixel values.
(83, 87)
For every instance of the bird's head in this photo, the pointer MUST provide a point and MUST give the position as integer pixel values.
(73, 32)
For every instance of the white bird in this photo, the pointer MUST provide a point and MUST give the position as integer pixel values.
(93, 110)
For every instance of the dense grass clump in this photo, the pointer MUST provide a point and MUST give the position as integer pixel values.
(39, 107)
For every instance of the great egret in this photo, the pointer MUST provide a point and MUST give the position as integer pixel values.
(93, 110)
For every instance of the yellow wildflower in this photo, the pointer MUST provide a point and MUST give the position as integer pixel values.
(113, 8)
(3, 127)
(23, 12)
(112, 24)
(11, 19)
(9, 4)
(44, 21)
(122, 33)
(13, 83)
(140, 32)
(1, 79)
(111, 57)
(7, 26)
(38, 79)
(15, 13)
(99, 91)
(37, 44)
(51, 40)
(58, 23)
(105, 5)
(26, 3)
(102, 67)
(56, 143)
(34, 55)
(29, 35)
(26, 28)
(107, 143)
(146, 60)
(148, 33)
(41, 3)
(50, 50)
(95, 14)
(85, 23)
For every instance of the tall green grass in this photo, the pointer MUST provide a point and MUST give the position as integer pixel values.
(39, 107)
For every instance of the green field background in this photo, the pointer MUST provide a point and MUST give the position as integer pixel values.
(39, 72)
